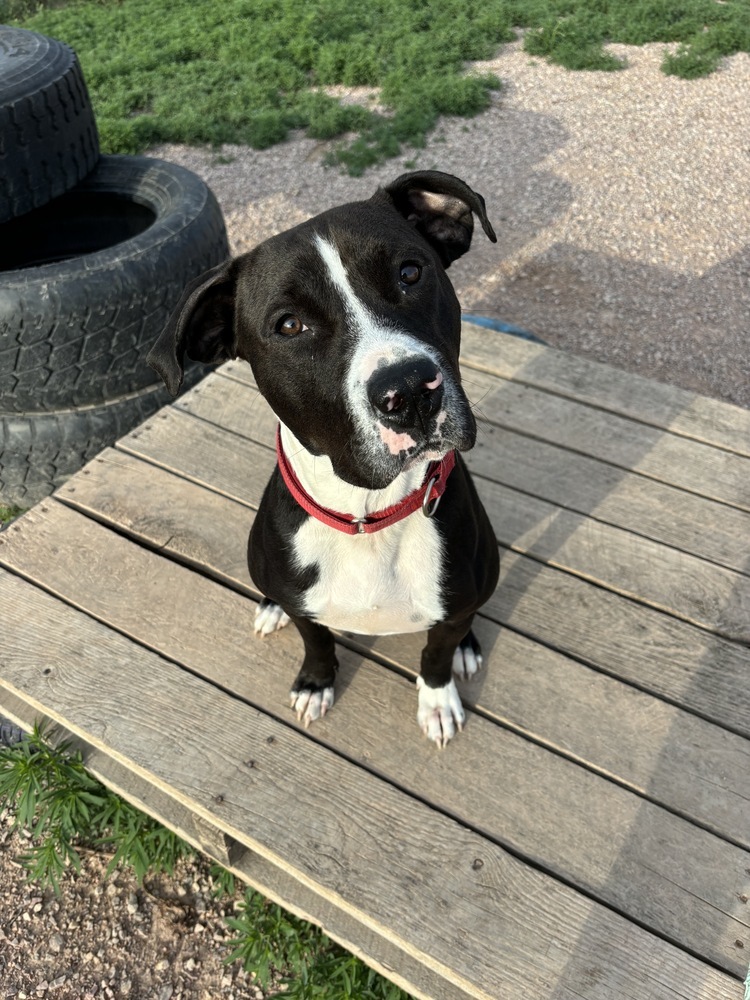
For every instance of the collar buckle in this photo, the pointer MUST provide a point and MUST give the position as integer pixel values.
(430, 506)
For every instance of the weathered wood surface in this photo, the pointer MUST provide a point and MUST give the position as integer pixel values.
(602, 779)
(651, 572)
(490, 925)
(574, 481)
(663, 406)
(523, 799)
(624, 737)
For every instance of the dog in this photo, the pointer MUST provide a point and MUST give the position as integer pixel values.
(370, 522)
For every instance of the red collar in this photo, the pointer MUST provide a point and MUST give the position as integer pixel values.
(427, 496)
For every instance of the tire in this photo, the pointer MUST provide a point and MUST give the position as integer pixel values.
(10, 733)
(48, 137)
(39, 451)
(88, 282)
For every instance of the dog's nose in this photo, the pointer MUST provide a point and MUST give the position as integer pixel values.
(408, 393)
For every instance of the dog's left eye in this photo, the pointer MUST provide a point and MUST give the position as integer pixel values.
(410, 273)
(290, 326)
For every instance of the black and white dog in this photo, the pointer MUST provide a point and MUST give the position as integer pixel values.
(370, 522)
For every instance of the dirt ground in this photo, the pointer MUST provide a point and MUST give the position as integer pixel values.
(622, 210)
(112, 938)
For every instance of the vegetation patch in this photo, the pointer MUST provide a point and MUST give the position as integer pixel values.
(64, 809)
(248, 71)
(245, 71)
(9, 513)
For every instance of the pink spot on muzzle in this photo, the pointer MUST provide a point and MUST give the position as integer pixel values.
(435, 382)
(394, 441)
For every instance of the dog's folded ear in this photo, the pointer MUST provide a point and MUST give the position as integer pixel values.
(201, 327)
(442, 208)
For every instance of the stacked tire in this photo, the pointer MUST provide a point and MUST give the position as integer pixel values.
(94, 254)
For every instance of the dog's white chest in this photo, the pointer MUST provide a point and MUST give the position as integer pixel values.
(377, 584)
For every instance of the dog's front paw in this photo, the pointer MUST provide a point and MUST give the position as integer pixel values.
(269, 617)
(311, 704)
(440, 712)
(467, 660)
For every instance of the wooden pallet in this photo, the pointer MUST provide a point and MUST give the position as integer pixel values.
(586, 836)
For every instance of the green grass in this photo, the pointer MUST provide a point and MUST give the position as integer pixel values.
(198, 71)
(64, 809)
(9, 513)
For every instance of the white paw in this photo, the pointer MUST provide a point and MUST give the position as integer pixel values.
(440, 712)
(466, 663)
(269, 617)
(311, 705)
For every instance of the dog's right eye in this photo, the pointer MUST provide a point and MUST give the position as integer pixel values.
(290, 326)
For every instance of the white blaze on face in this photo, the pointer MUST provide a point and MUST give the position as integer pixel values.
(377, 342)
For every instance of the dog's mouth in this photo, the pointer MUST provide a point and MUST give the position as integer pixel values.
(431, 451)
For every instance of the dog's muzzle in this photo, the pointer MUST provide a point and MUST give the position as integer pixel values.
(407, 395)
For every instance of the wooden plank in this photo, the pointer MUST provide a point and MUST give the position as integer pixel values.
(627, 444)
(663, 513)
(439, 891)
(667, 657)
(665, 406)
(665, 578)
(230, 464)
(200, 527)
(653, 510)
(689, 667)
(658, 575)
(660, 455)
(274, 883)
(689, 765)
(625, 851)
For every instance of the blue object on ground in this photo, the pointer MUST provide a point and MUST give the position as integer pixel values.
(497, 324)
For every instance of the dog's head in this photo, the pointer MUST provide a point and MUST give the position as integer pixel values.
(350, 324)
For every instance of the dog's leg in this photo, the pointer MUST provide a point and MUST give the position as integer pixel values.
(440, 712)
(269, 617)
(467, 659)
(312, 692)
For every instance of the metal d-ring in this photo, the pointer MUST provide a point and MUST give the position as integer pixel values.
(429, 507)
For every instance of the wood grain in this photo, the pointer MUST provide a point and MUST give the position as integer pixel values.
(341, 832)
(271, 881)
(669, 755)
(627, 444)
(226, 463)
(604, 493)
(645, 400)
(625, 851)
(667, 657)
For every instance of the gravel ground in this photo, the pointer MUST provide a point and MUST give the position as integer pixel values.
(620, 200)
(107, 939)
(622, 209)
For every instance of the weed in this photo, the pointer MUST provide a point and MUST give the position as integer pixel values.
(9, 513)
(248, 71)
(64, 808)
(224, 882)
(315, 968)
